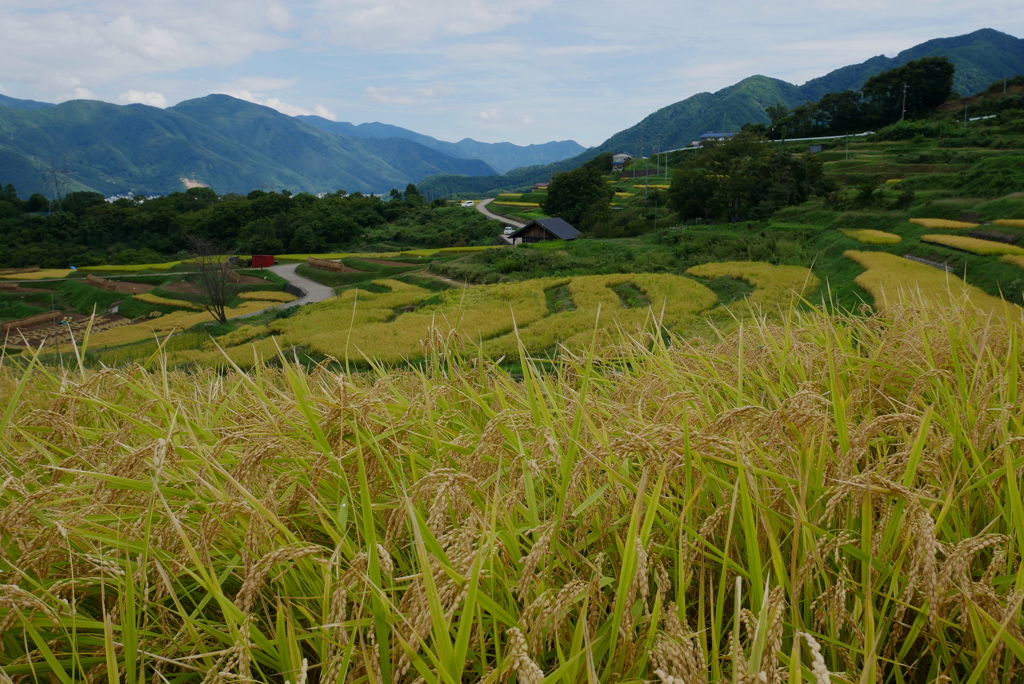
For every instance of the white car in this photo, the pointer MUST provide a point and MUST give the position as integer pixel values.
(509, 230)
(468, 203)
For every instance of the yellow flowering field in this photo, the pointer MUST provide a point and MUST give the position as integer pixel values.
(1010, 223)
(942, 223)
(268, 296)
(891, 279)
(150, 298)
(872, 237)
(974, 245)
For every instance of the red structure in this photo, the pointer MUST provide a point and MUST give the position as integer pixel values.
(262, 260)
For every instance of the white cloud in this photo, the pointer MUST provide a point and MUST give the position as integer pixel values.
(398, 24)
(491, 115)
(389, 96)
(139, 97)
(394, 96)
(435, 90)
(324, 112)
(279, 17)
(283, 107)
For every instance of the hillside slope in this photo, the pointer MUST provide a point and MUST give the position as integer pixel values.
(980, 57)
(501, 156)
(232, 145)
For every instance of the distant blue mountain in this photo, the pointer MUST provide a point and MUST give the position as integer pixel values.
(502, 156)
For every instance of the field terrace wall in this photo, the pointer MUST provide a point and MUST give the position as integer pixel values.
(10, 287)
(325, 265)
(16, 271)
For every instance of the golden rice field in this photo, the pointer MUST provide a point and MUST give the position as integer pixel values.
(1015, 260)
(652, 185)
(515, 204)
(941, 223)
(150, 298)
(498, 320)
(808, 499)
(974, 245)
(268, 296)
(510, 194)
(872, 237)
(132, 268)
(1011, 223)
(625, 194)
(890, 279)
(39, 275)
(160, 326)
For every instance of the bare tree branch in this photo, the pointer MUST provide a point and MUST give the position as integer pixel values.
(214, 276)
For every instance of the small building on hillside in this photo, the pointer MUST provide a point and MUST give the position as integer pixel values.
(621, 161)
(712, 136)
(543, 230)
(541, 186)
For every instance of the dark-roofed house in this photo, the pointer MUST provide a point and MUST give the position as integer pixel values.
(543, 230)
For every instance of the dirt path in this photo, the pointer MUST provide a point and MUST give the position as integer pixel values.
(482, 208)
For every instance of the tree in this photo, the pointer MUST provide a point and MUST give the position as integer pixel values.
(927, 82)
(214, 277)
(744, 177)
(581, 196)
(259, 237)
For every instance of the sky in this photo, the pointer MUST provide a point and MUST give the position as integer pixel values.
(523, 71)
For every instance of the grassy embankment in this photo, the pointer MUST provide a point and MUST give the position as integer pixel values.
(839, 494)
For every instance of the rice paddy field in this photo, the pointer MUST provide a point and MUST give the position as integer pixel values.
(873, 237)
(809, 498)
(974, 245)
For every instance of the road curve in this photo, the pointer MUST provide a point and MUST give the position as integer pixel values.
(314, 291)
(482, 208)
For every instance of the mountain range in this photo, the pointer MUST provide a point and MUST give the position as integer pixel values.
(236, 146)
(230, 145)
(981, 58)
(501, 156)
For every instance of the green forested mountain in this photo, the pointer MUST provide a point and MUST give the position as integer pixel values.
(980, 57)
(15, 103)
(501, 156)
(229, 144)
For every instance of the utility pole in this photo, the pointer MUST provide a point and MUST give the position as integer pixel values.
(904, 115)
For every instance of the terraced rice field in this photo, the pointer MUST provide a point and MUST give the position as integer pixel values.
(973, 245)
(933, 223)
(873, 237)
(891, 279)
(407, 321)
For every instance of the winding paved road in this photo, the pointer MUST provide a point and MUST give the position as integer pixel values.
(315, 292)
(482, 208)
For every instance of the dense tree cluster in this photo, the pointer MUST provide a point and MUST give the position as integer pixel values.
(86, 230)
(910, 91)
(744, 178)
(581, 197)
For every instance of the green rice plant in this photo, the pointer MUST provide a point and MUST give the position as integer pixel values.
(809, 498)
